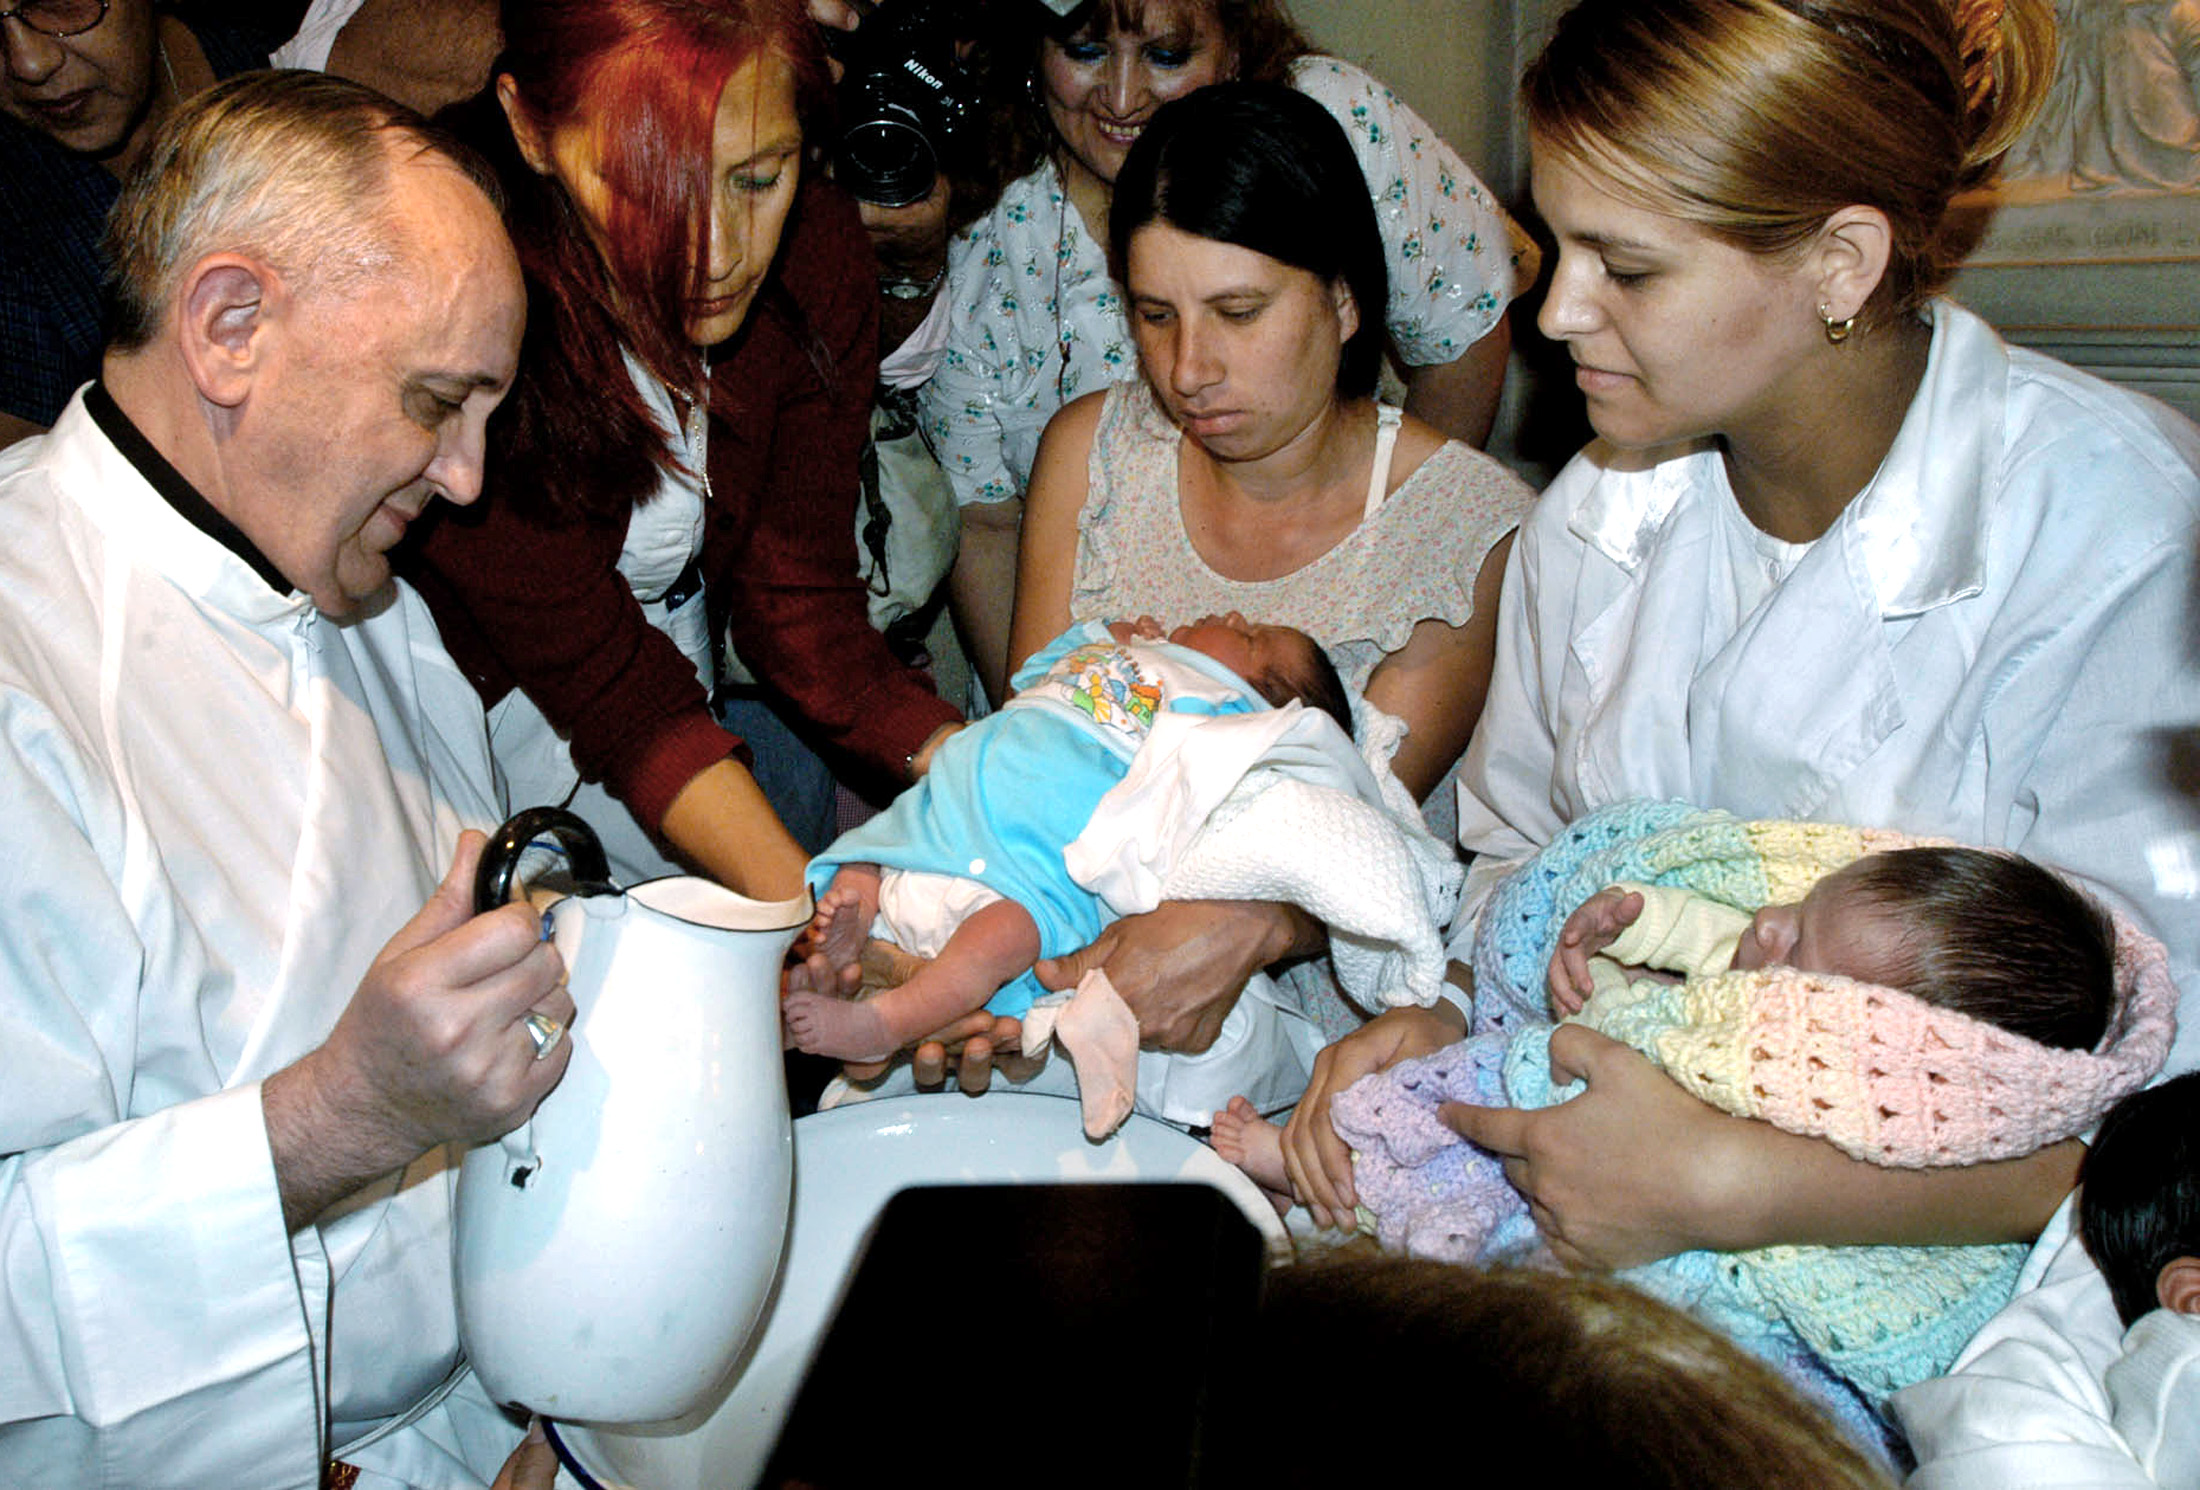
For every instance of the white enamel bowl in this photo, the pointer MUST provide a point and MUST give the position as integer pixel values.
(847, 1164)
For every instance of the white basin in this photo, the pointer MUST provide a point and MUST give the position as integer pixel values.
(847, 1164)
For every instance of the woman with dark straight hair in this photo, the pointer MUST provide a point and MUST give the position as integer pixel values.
(1032, 320)
(1251, 469)
(1260, 168)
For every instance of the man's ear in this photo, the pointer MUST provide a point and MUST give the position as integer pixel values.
(227, 311)
(1850, 258)
(534, 144)
(2177, 1286)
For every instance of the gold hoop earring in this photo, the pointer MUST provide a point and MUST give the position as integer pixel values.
(1837, 332)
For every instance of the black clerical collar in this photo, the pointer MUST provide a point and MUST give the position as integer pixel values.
(173, 488)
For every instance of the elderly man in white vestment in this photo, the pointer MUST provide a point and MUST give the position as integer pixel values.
(243, 1007)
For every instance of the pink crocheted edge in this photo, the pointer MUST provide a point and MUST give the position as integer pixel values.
(1944, 1088)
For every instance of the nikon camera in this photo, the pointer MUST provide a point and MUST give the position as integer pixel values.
(905, 97)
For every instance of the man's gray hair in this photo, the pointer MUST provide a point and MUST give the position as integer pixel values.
(292, 168)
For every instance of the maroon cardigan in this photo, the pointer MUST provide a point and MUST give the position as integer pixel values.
(543, 608)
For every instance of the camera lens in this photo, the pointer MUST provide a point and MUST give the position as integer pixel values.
(886, 157)
(903, 100)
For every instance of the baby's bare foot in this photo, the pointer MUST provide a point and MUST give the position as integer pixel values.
(1253, 1144)
(845, 1029)
(843, 920)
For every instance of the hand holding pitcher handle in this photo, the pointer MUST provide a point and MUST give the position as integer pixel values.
(493, 887)
(430, 1049)
(500, 861)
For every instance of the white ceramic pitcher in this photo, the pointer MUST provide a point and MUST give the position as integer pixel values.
(614, 1252)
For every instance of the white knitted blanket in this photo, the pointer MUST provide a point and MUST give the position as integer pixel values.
(1288, 813)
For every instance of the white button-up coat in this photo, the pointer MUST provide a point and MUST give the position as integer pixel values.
(219, 804)
(1997, 641)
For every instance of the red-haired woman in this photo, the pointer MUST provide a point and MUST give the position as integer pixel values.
(676, 465)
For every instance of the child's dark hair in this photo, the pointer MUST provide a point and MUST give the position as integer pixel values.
(2139, 1191)
(1999, 938)
(1316, 685)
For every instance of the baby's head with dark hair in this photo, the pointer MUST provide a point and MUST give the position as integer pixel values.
(1303, 671)
(1281, 663)
(1994, 936)
(2139, 1196)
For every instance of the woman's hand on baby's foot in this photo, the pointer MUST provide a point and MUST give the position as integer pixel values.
(882, 965)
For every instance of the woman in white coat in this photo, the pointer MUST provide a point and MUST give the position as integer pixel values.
(1837, 553)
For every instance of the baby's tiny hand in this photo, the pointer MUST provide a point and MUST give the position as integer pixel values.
(1588, 931)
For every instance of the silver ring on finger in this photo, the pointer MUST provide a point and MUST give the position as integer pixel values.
(544, 1031)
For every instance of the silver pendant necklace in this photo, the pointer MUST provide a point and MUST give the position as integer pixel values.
(695, 433)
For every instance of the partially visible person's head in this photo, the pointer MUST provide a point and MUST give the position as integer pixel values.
(1990, 935)
(2139, 1199)
(80, 72)
(1103, 69)
(1282, 663)
(1594, 1381)
(344, 310)
(673, 130)
(1261, 168)
(1759, 120)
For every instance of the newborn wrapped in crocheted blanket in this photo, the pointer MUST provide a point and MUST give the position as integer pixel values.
(1883, 1076)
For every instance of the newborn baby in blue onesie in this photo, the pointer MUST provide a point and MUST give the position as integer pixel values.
(966, 867)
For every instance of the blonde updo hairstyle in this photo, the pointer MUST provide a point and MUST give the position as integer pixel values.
(1758, 119)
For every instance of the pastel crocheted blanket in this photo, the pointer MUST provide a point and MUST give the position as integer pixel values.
(1884, 1076)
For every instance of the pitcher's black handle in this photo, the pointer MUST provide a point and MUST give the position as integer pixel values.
(500, 861)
